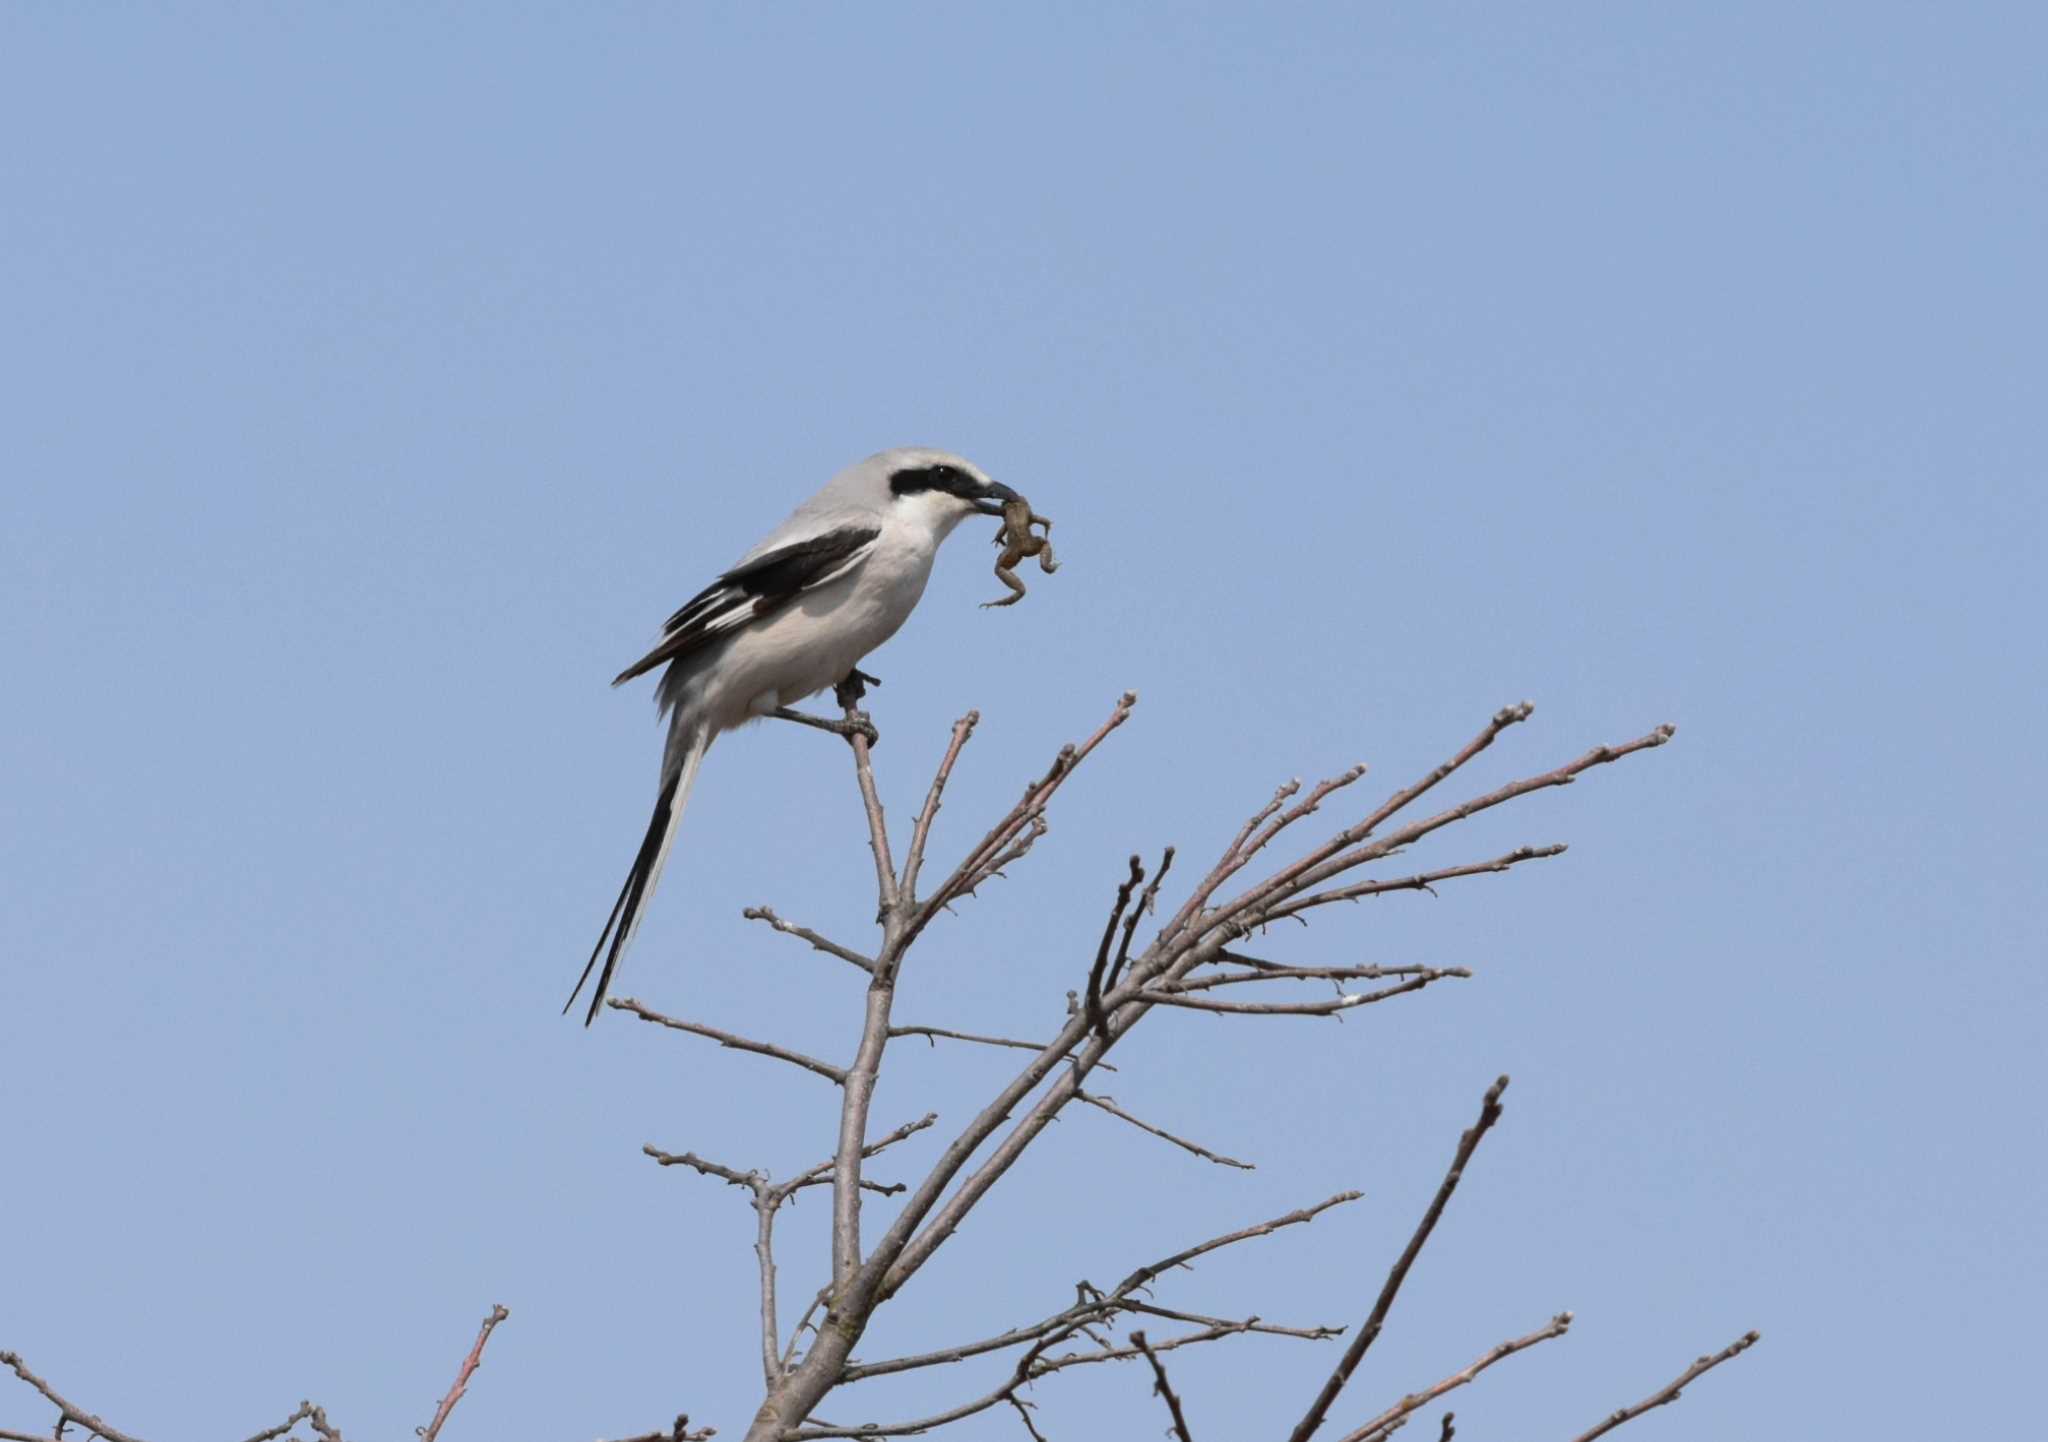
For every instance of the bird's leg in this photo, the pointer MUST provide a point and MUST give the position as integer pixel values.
(853, 688)
(849, 693)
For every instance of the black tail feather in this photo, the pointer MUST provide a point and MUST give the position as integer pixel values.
(611, 942)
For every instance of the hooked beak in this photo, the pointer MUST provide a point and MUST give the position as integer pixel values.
(990, 502)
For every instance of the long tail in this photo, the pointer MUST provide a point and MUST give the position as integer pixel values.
(625, 917)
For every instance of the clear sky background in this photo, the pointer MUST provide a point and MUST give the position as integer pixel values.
(373, 380)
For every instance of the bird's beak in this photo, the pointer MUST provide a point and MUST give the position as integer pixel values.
(991, 501)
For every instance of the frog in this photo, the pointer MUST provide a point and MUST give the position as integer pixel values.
(1018, 544)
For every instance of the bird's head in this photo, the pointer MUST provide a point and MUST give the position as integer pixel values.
(942, 488)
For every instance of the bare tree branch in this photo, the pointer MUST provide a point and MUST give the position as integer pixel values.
(1024, 1414)
(921, 830)
(752, 1181)
(1163, 1388)
(1109, 1105)
(1273, 971)
(824, 1069)
(932, 1032)
(463, 1374)
(859, 1086)
(1421, 881)
(1489, 1113)
(853, 1119)
(1249, 1324)
(1423, 977)
(764, 1260)
(69, 1411)
(1145, 906)
(1395, 1415)
(1669, 1393)
(804, 933)
(1147, 1273)
(1095, 973)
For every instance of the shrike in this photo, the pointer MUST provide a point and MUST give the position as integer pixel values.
(795, 615)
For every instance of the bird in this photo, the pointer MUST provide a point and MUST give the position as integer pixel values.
(794, 615)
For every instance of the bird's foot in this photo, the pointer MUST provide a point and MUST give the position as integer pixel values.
(856, 723)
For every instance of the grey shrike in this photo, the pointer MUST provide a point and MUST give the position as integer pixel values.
(795, 615)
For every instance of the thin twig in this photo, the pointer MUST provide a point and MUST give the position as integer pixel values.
(1421, 881)
(1271, 971)
(1095, 973)
(1163, 1387)
(804, 933)
(1489, 1113)
(1669, 1393)
(1381, 1425)
(1024, 1413)
(921, 830)
(878, 829)
(1250, 1324)
(1146, 1273)
(1304, 1008)
(1109, 1105)
(930, 1033)
(824, 1295)
(1145, 905)
(752, 1181)
(824, 1069)
(463, 1374)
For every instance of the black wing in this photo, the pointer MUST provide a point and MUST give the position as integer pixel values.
(756, 588)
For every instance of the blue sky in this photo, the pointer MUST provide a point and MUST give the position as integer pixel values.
(374, 380)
